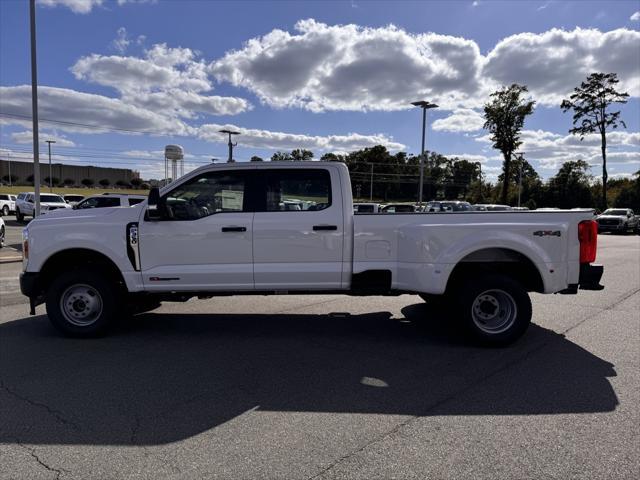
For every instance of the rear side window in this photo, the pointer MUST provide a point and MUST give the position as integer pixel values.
(297, 190)
(135, 201)
(365, 208)
(21, 196)
(4, 197)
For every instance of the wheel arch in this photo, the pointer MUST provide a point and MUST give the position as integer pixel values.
(498, 260)
(74, 258)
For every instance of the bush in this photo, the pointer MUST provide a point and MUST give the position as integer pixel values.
(69, 181)
(105, 182)
(136, 182)
(122, 184)
(10, 178)
(145, 186)
(54, 180)
(30, 179)
(87, 182)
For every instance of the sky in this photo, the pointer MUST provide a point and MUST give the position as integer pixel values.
(120, 79)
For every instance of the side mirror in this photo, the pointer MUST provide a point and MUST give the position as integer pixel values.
(153, 210)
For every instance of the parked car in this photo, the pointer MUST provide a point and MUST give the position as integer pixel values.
(490, 207)
(7, 204)
(366, 208)
(25, 204)
(2, 232)
(617, 220)
(398, 208)
(73, 198)
(110, 200)
(448, 206)
(187, 242)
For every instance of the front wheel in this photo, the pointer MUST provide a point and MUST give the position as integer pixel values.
(494, 309)
(81, 303)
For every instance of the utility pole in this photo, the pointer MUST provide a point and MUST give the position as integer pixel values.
(480, 176)
(371, 185)
(230, 144)
(9, 160)
(424, 105)
(50, 177)
(34, 107)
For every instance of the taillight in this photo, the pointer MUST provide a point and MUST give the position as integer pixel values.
(588, 236)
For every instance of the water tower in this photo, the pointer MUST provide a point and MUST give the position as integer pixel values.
(175, 155)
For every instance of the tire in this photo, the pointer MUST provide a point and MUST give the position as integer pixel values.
(82, 303)
(2, 236)
(19, 216)
(5, 211)
(494, 309)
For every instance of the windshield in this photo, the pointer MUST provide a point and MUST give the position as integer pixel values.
(614, 211)
(51, 199)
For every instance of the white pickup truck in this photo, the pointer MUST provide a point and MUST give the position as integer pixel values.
(226, 230)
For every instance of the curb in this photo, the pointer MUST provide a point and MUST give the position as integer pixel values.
(11, 259)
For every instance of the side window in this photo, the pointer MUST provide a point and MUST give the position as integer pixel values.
(99, 202)
(298, 190)
(206, 194)
(4, 197)
(21, 196)
(135, 201)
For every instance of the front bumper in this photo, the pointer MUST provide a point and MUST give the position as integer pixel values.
(29, 283)
(611, 228)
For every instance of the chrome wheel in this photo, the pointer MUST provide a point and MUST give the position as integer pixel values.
(81, 305)
(494, 311)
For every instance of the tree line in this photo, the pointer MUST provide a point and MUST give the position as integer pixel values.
(86, 182)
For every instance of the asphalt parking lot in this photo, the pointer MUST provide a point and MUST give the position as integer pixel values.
(296, 388)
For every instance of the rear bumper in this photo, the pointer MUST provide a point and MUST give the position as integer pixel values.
(590, 276)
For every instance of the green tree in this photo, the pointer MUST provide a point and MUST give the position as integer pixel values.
(629, 195)
(87, 182)
(30, 179)
(256, 158)
(105, 182)
(281, 157)
(504, 119)
(300, 155)
(569, 188)
(122, 184)
(136, 182)
(69, 181)
(590, 103)
(54, 180)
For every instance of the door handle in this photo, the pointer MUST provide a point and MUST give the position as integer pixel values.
(234, 229)
(325, 227)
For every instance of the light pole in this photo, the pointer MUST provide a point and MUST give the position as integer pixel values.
(230, 144)
(50, 177)
(424, 105)
(9, 160)
(480, 177)
(521, 160)
(34, 107)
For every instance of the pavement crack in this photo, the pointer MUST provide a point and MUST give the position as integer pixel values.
(53, 412)
(430, 408)
(58, 471)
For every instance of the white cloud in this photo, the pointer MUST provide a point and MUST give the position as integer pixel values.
(169, 81)
(76, 6)
(347, 67)
(552, 63)
(461, 120)
(75, 107)
(286, 141)
(121, 42)
(27, 137)
(635, 17)
(551, 150)
(475, 3)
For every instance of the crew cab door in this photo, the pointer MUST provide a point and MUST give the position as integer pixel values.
(298, 230)
(203, 240)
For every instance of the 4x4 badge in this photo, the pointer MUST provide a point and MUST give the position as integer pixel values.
(547, 233)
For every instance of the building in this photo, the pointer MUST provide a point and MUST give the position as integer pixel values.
(77, 173)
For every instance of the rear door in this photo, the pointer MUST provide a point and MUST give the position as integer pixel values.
(298, 249)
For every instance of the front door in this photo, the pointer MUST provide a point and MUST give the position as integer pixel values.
(204, 239)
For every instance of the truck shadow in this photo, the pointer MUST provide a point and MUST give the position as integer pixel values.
(162, 377)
